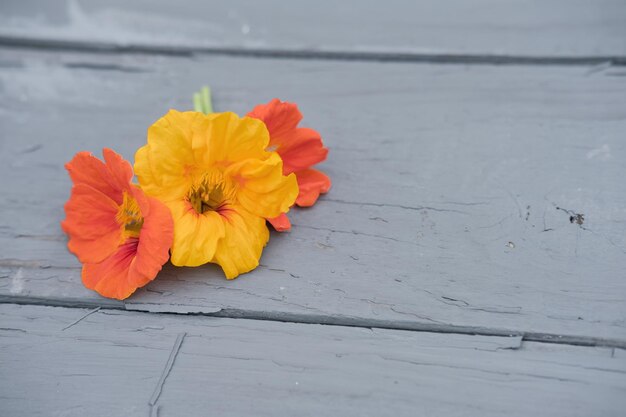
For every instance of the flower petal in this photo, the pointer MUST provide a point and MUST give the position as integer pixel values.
(263, 189)
(240, 249)
(280, 117)
(155, 240)
(163, 165)
(231, 138)
(280, 223)
(91, 225)
(195, 236)
(110, 277)
(300, 148)
(312, 183)
(120, 170)
(111, 179)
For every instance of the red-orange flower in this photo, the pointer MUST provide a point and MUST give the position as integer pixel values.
(300, 148)
(121, 236)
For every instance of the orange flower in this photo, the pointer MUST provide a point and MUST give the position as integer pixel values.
(300, 148)
(121, 236)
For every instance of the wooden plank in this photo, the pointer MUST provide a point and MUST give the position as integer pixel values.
(443, 212)
(110, 363)
(527, 28)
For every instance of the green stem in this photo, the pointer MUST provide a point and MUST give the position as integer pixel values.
(197, 102)
(206, 98)
(202, 101)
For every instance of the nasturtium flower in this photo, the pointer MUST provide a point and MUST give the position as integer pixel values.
(121, 236)
(300, 148)
(219, 181)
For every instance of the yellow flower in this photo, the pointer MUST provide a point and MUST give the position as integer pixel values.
(220, 183)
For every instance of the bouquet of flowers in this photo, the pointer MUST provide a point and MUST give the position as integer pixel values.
(208, 184)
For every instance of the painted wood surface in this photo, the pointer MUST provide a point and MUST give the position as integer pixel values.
(406, 29)
(454, 187)
(111, 362)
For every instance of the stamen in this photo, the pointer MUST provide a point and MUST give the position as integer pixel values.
(129, 215)
(210, 193)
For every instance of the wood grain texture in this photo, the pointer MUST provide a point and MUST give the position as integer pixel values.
(448, 209)
(554, 28)
(109, 363)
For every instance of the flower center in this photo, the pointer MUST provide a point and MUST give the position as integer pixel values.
(129, 215)
(211, 193)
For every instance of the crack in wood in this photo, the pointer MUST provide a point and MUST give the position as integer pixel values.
(343, 321)
(328, 55)
(89, 313)
(154, 409)
(401, 206)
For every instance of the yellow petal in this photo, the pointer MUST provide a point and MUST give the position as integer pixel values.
(230, 138)
(164, 167)
(196, 235)
(240, 249)
(262, 188)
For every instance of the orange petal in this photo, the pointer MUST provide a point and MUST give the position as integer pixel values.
(279, 117)
(280, 223)
(302, 149)
(299, 148)
(312, 183)
(111, 179)
(155, 240)
(90, 223)
(136, 262)
(110, 277)
(120, 170)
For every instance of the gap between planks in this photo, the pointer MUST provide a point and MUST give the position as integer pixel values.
(340, 321)
(330, 55)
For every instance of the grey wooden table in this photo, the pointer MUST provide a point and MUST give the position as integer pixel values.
(446, 273)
